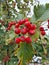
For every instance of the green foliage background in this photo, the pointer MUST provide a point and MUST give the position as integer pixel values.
(8, 13)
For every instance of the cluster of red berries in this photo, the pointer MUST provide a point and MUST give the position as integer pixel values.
(42, 31)
(26, 28)
(23, 39)
(48, 23)
(10, 24)
(23, 27)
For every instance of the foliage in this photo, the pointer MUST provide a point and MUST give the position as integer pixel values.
(25, 53)
(13, 11)
(40, 13)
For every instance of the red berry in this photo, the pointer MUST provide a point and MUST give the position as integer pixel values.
(27, 24)
(48, 21)
(8, 28)
(20, 22)
(28, 40)
(9, 24)
(22, 38)
(24, 31)
(48, 26)
(17, 40)
(41, 28)
(17, 25)
(25, 20)
(33, 26)
(27, 29)
(31, 32)
(43, 33)
(17, 30)
(14, 23)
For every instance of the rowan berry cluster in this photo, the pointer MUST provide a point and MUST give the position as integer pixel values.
(42, 31)
(23, 27)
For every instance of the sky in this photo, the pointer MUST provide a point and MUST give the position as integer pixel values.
(43, 1)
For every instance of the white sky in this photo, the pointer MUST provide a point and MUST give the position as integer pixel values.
(43, 1)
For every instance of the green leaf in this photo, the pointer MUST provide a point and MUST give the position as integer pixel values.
(20, 16)
(26, 1)
(38, 48)
(39, 10)
(25, 53)
(18, 1)
(33, 19)
(9, 0)
(45, 16)
(13, 61)
(41, 13)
